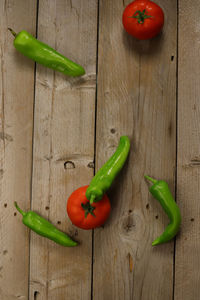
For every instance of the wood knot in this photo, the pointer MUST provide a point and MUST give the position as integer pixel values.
(131, 226)
(128, 223)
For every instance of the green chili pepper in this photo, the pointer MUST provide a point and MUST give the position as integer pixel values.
(161, 192)
(102, 181)
(25, 43)
(44, 228)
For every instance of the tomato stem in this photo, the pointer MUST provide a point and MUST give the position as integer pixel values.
(140, 16)
(88, 208)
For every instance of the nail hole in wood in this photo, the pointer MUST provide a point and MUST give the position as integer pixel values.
(147, 206)
(172, 57)
(192, 219)
(5, 252)
(130, 211)
(5, 204)
(91, 165)
(36, 293)
(69, 165)
(47, 207)
(58, 222)
(15, 213)
(156, 216)
(112, 130)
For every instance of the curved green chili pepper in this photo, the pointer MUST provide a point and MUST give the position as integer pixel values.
(102, 181)
(161, 192)
(44, 228)
(25, 43)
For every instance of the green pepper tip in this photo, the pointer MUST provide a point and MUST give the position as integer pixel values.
(156, 242)
(150, 179)
(19, 209)
(74, 244)
(12, 31)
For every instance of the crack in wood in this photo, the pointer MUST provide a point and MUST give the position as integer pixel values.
(194, 162)
(3, 97)
(130, 260)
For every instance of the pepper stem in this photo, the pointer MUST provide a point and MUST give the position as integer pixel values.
(19, 209)
(12, 31)
(150, 179)
(92, 199)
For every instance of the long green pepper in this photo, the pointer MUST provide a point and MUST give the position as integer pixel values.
(102, 181)
(160, 190)
(40, 52)
(44, 228)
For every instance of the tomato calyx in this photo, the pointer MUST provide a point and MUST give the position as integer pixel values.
(140, 16)
(88, 208)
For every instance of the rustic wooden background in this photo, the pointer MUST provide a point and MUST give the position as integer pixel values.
(147, 90)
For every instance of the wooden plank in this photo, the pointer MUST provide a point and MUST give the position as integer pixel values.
(187, 260)
(16, 113)
(64, 131)
(137, 97)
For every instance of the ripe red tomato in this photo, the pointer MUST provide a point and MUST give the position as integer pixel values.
(85, 215)
(143, 19)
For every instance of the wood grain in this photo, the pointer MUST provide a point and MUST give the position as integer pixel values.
(137, 97)
(63, 148)
(187, 260)
(16, 117)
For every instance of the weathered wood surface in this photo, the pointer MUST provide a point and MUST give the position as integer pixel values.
(187, 262)
(137, 97)
(63, 132)
(16, 120)
(54, 117)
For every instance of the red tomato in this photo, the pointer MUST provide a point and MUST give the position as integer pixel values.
(143, 19)
(85, 215)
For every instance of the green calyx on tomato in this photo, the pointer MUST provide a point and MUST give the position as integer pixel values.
(140, 16)
(88, 208)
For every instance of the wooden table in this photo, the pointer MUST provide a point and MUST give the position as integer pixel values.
(147, 90)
